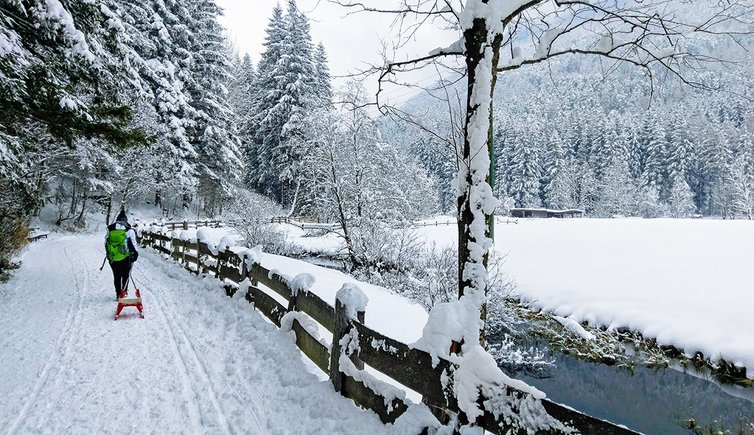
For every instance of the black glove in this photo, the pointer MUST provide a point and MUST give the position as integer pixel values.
(134, 256)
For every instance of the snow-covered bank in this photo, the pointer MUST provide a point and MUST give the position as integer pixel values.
(198, 362)
(687, 283)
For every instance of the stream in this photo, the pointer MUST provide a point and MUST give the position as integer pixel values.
(653, 401)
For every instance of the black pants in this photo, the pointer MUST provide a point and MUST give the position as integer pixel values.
(121, 269)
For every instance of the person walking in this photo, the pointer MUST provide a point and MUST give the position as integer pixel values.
(121, 251)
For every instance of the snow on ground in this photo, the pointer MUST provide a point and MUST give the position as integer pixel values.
(329, 243)
(198, 363)
(686, 282)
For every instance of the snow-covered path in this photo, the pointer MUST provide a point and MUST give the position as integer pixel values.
(198, 363)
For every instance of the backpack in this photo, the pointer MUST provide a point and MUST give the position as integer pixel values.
(116, 245)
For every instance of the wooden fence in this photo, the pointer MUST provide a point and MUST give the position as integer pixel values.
(184, 225)
(310, 224)
(438, 223)
(410, 367)
(305, 223)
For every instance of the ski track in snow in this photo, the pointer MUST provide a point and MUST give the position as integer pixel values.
(62, 348)
(198, 363)
(174, 329)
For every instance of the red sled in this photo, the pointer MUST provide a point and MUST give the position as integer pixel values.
(131, 302)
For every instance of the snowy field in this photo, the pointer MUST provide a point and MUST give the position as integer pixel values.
(688, 283)
(198, 362)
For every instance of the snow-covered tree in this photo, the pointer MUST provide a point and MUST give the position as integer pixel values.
(219, 164)
(740, 180)
(66, 84)
(617, 190)
(291, 82)
(241, 95)
(560, 193)
(262, 125)
(655, 168)
(322, 79)
(526, 172)
(681, 200)
(354, 178)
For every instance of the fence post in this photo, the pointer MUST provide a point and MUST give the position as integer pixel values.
(219, 265)
(185, 224)
(292, 301)
(198, 259)
(349, 300)
(204, 268)
(183, 253)
(254, 281)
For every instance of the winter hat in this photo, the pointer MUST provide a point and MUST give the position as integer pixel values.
(122, 216)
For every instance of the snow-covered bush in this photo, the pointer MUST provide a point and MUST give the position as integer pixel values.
(250, 214)
(377, 247)
(429, 276)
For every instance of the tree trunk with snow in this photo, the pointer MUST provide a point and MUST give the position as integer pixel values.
(476, 202)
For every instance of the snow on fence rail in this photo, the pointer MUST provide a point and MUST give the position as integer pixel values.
(408, 366)
(305, 223)
(437, 223)
(190, 224)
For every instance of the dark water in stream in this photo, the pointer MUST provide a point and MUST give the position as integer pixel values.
(652, 401)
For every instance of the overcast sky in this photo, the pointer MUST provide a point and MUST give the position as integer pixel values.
(351, 41)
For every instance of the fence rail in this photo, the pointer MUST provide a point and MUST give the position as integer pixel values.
(305, 223)
(184, 225)
(308, 225)
(438, 223)
(410, 367)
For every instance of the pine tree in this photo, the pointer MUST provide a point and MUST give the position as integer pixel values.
(553, 163)
(680, 149)
(655, 169)
(264, 125)
(740, 179)
(639, 149)
(526, 170)
(561, 192)
(587, 189)
(605, 138)
(161, 37)
(681, 200)
(287, 91)
(241, 94)
(297, 74)
(717, 158)
(322, 80)
(617, 191)
(218, 161)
